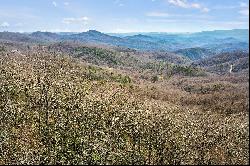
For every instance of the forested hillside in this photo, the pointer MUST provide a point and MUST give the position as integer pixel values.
(80, 104)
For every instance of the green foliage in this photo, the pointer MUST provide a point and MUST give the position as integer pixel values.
(155, 79)
(115, 59)
(2, 48)
(195, 53)
(97, 55)
(204, 89)
(187, 71)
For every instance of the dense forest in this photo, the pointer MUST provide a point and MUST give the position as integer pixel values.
(67, 101)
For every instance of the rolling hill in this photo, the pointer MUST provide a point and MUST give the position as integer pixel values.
(221, 63)
(195, 53)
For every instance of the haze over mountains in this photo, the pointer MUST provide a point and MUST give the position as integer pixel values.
(192, 45)
(201, 48)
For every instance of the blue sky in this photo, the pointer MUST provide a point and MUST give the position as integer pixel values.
(123, 16)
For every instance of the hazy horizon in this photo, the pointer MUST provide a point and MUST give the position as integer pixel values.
(130, 32)
(123, 16)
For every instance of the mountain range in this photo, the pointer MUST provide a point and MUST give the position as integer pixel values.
(194, 46)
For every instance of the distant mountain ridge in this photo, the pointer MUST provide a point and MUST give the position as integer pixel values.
(192, 45)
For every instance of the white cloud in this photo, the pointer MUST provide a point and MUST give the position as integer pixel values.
(179, 3)
(66, 3)
(4, 25)
(54, 3)
(205, 10)
(195, 5)
(185, 4)
(80, 20)
(157, 14)
(201, 22)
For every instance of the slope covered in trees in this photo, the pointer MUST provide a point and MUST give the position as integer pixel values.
(221, 63)
(59, 109)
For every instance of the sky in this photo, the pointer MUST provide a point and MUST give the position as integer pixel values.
(123, 16)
